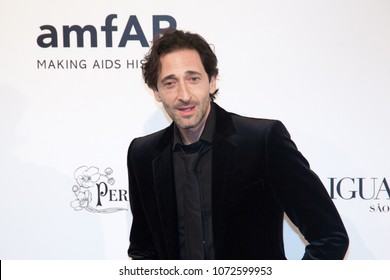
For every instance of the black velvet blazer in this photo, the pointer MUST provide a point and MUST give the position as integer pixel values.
(257, 175)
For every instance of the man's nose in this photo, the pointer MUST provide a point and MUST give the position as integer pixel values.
(184, 94)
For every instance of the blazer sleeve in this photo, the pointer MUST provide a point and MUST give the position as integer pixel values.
(304, 198)
(141, 241)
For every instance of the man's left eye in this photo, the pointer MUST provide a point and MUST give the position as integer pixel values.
(194, 79)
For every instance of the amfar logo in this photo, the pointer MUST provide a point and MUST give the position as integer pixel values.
(94, 188)
(132, 32)
(370, 189)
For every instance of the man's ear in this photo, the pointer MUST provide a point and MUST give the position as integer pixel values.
(157, 95)
(213, 84)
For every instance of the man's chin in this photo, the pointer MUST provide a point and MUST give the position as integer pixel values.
(185, 126)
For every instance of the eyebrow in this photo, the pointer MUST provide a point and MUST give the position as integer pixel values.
(173, 76)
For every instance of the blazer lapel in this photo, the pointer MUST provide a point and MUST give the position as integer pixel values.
(224, 157)
(166, 195)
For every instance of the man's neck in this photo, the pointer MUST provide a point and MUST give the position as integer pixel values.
(191, 135)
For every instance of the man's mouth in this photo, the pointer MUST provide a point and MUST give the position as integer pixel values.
(187, 109)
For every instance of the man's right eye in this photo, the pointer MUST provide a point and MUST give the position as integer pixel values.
(169, 84)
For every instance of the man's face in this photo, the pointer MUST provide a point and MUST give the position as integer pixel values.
(184, 89)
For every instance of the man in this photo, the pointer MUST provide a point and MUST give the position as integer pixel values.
(215, 185)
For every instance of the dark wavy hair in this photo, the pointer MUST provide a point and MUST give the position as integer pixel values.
(173, 40)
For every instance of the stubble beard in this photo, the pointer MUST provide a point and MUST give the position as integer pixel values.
(192, 121)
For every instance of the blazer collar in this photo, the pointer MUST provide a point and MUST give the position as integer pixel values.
(224, 158)
(166, 196)
(224, 123)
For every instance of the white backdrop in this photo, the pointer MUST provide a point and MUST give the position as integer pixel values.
(322, 67)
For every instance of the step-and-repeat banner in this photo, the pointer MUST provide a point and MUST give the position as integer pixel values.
(72, 98)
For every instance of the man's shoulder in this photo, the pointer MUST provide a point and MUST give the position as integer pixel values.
(245, 120)
(152, 141)
(232, 123)
(245, 123)
(253, 121)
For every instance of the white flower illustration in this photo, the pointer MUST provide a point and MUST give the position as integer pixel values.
(83, 198)
(87, 177)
